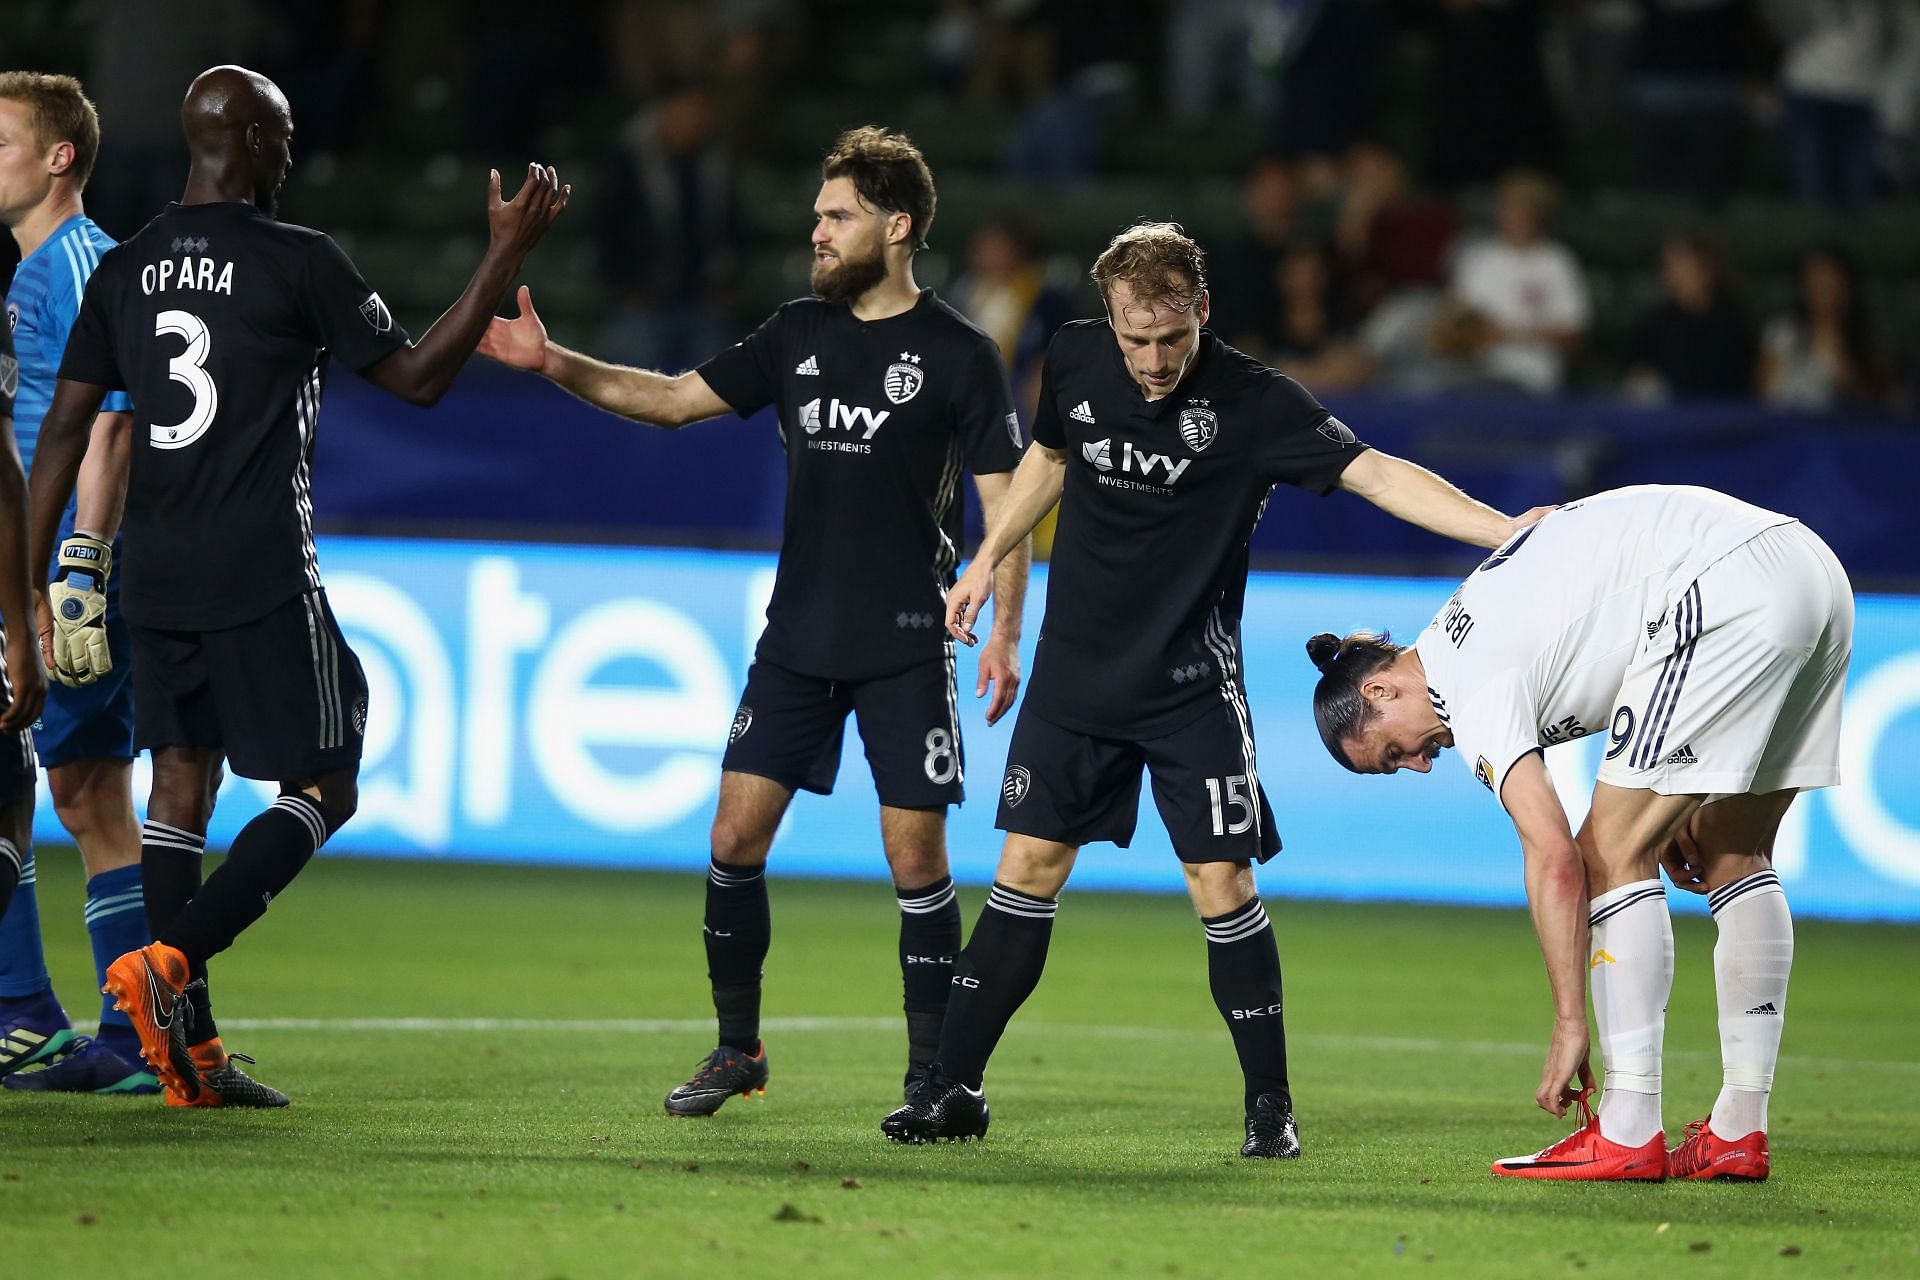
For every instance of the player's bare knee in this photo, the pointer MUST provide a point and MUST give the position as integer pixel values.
(337, 794)
(739, 842)
(1219, 887)
(916, 867)
(1038, 867)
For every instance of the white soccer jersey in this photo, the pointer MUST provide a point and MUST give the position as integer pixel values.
(1533, 647)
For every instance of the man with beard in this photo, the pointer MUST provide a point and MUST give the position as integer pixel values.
(885, 394)
(219, 320)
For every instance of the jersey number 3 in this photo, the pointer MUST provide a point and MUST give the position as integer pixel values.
(188, 368)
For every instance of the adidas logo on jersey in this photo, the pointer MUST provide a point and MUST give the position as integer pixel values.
(1766, 1010)
(1082, 412)
(808, 368)
(1683, 756)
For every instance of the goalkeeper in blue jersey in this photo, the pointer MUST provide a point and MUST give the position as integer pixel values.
(49, 138)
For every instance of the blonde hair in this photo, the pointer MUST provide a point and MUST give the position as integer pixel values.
(57, 111)
(1160, 262)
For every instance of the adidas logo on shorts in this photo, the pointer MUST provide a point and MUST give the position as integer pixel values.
(1683, 756)
(808, 368)
(1082, 412)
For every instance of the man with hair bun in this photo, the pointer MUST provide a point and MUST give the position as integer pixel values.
(1709, 641)
(885, 394)
(1162, 445)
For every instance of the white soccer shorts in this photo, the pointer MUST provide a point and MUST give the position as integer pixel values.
(1737, 690)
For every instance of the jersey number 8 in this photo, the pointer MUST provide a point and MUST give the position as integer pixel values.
(188, 368)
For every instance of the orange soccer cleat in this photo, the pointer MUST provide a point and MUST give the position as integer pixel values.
(223, 1084)
(148, 986)
(1585, 1156)
(1706, 1155)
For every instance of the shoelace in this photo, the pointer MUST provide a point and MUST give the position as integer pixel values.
(1696, 1127)
(710, 1067)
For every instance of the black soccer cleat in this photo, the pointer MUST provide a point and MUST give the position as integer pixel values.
(938, 1109)
(726, 1072)
(1270, 1130)
(235, 1088)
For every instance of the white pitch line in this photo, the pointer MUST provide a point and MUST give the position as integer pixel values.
(694, 1026)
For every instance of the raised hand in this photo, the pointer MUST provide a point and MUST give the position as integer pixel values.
(520, 343)
(518, 224)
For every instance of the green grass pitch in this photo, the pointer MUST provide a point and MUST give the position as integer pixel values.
(533, 1145)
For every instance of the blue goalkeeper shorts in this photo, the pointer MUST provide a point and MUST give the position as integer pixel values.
(94, 721)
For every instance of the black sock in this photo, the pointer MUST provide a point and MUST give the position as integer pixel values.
(738, 929)
(265, 857)
(929, 939)
(1243, 968)
(993, 977)
(170, 860)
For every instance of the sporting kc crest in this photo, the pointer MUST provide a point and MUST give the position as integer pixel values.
(1198, 426)
(904, 378)
(1014, 788)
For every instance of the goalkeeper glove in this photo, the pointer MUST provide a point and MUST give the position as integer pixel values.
(78, 599)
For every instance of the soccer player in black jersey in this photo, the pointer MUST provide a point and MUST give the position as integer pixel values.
(219, 320)
(23, 683)
(1162, 445)
(885, 394)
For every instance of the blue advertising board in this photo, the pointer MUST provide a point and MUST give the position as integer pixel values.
(563, 704)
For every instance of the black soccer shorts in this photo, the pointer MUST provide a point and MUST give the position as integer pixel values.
(790, 728)
(283, 697)
(1077, 789)
(19, 767)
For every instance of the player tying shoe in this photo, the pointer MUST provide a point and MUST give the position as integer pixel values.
(1709, 641)
(885, 394)
(23, 685)
(49, 137)
(1162, 445)
(220, 321)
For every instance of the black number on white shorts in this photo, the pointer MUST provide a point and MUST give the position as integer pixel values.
(1620, 734)
(942, 761)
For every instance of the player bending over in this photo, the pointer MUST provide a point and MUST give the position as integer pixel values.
(1162, 445)
(1708, 640)
(885, 393)
(219, 320)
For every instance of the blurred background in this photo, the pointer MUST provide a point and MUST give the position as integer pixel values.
(1542, 246)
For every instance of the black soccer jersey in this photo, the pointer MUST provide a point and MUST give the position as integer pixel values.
(219, 320)
(879, 419)
(1142, 629)
(9, 372)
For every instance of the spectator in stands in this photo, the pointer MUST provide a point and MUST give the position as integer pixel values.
(1823, 354)
(1489, 109)
(1388, 238)
(1246, 269)
(667, 228)
(1091, 49)
(1303, 336)
(1329, 68)
(1697, 342)
(1230, 45)
(1693, 65)
(1838, 56)
(1519, 302)
(1006, 292)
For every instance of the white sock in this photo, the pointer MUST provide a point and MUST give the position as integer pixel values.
(1631, 967)
(1751, 963)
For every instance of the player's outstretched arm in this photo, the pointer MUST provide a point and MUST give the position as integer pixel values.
(420, 374)
(1412, 493)
(24, 671)
(999, 666)
(637, 394)
(1036, 486)
(1557, 897)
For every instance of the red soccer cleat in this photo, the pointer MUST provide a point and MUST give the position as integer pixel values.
(1585, 1156)
(1706, 1155)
